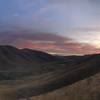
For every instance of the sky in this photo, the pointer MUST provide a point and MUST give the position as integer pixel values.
(65, 27)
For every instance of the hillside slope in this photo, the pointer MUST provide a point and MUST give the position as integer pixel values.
(26, 73)
(16, 62)
(87, 89)
(12, 58)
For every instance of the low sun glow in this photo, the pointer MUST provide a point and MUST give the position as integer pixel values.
(96, 43)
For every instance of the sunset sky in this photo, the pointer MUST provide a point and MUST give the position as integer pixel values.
(65, 27)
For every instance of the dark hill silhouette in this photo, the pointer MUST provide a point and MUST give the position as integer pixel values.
(38, 56)
(12, 58)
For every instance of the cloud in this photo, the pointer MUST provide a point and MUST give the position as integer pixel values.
(47, 42)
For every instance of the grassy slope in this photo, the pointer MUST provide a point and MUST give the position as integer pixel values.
(26, 86)
(87, 89)
(59, 75)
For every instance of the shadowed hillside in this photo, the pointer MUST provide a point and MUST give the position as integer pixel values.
(16, 62)
(87, 89)
(25, 73)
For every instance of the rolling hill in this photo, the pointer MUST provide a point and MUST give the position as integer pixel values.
(25, 73)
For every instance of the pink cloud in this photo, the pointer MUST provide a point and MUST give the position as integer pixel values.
(55, 44)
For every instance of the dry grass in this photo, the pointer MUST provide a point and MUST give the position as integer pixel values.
(88, 89)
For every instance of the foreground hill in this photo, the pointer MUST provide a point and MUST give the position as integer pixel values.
(26, 73)
(87, 89)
